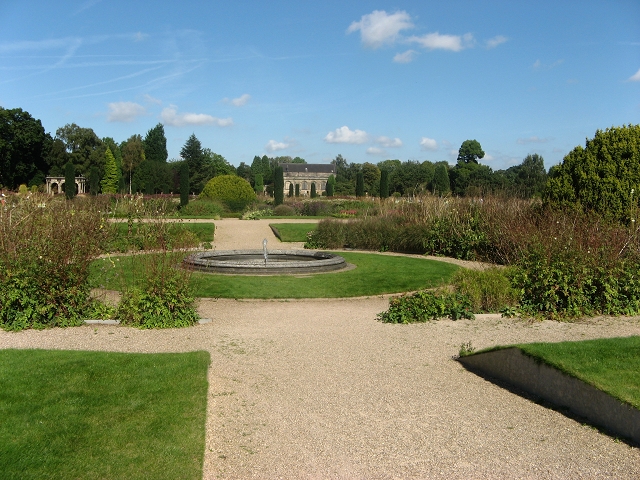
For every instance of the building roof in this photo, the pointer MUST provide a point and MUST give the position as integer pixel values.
(308, 167)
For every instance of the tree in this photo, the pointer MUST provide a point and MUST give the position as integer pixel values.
(603, 177)
(69, 180)
(471, 179)
(110, 143)
(184, 184)
(262, 166)
(331, 185)
(529, 178)
(297, 189)
(441, 180)
(290, 190)
(359, 184)
(244, 171)
(83, 146)
(22, 148)
(384, 183)
(371, 178)
(259, 185)
(109, 182)
(155, 145)
(132, 156)
(470, 151)
(278, 186)
(298, 160)
(193, 154)
(313, 190)
(234, 191)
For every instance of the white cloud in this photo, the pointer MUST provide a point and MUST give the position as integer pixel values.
(378, 27)
(428, 144)
(495, 41)
(376, 151)
(405, 57)
(435, 41)
(124, 111)
(636, 77)
(534, 139)
(273, 146)
(487, 157)
(346, 135)
(389, 142)
(148, 98)
(238, 102)
(171, 117)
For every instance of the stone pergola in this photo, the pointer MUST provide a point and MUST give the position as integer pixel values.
(304, 174)
(54, 184)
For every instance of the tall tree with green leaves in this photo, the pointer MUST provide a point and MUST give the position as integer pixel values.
(290, 190)
(602, 177)
(314, 193)
(384, 183)
(155, 145)
(69, 180)
(359, 184)
(278, 186)
(441, 180)
(109, 182)
(470, 151)
(193, 154)
(132, 156)
(259, 185)
(83, 146)
(331, 185)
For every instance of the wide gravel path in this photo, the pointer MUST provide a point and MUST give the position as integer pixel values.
(320, 389)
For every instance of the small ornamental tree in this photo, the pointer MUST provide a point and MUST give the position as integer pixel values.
(184, 184)
(441, 184)
(331, 185)
(384, 183)
(109, 182)
(259, 184)
(360, 185)
(69, 180)
(278, 186)
(290, 190)
(313, 191)
(233, 191)
(94, 180)
(297, 189)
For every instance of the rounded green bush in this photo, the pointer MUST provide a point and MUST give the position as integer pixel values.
(234, 191)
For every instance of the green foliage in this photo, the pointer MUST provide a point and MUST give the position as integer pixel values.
(291, 190)
(384, 183)
(331, 185)
(69, 180)
(297, 190)
(85, 414)
(155, 145)
(284, 211)
(45, 253)
(23, 147)
(184, 185)
(202, 207)
(470, 151)
(359, 184)
(109, 181)
(132, 157)
(278, 186)
(94, 180)
(161, 297)
(527, 179)
(259, 184)
(441, 185)
(603, 177)
(424, 306)
(488, 290)
(313, 191)
(235, 192)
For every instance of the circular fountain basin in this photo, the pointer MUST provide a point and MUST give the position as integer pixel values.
(279, 262)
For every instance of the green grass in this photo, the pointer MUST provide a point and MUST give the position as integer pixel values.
(293, 232)
(375, 274)
(74, 414)
(609, 364)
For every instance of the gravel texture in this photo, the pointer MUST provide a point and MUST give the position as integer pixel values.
(320, 389)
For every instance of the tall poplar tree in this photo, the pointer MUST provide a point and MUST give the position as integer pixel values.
(109, 182)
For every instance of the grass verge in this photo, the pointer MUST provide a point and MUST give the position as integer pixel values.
(374, 275)
(292, 232)
(609, 364)
(74, 414)
(204, 231)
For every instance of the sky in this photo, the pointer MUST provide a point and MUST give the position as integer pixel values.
(407, 80)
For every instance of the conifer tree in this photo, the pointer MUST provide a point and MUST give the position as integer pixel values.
(109, 182)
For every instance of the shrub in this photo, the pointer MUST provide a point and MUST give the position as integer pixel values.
(424, 305)
(202, 208)
(488, 290)
(284, 211)
(162, 297)
(235, 192)
(46, 247)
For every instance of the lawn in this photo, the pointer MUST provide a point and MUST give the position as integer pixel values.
(78, 414)
(374, 274)
(204, 231)
(292, 232)
(609, 364)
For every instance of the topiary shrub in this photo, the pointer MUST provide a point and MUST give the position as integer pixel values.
(235, 192)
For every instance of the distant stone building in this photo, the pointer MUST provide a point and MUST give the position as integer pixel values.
(54, 184)
(306, 174)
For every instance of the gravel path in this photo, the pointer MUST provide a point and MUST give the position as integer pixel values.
(320, 389)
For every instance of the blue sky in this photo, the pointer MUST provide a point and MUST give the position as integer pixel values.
(369, 80)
